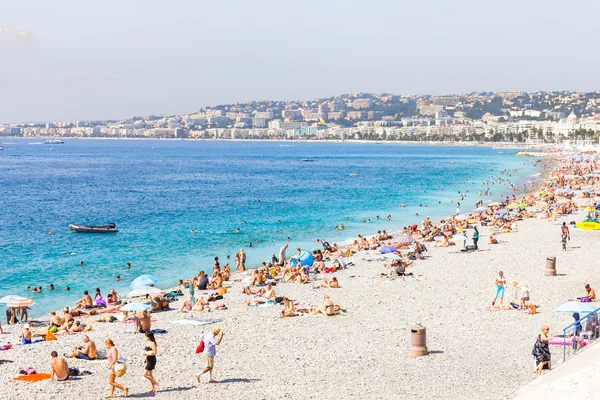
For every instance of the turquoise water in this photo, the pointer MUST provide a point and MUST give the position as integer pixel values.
(158, 191)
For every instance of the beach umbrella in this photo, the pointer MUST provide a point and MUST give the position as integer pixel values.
(20, 302)
(576, 306)
(514, 213)
(392, 256)
(11, 297)
(502, 212)
(135, 307)
(513, 205)
(144, 290)
(461, 217)
(388, 249)
(494, 203)
(403, 239)
(143, 280)
(306, 259)
(480, 210)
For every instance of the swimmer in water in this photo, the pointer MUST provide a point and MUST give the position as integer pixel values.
(128, 265)
(245, 223)
(81, 262)
(278, 221)
(51, 287)
(67, 288)
(50, 232)
(238, 230)
(193, 231)
(118, 278)
(249, 244)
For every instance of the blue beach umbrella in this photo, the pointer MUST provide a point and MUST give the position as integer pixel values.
(135, 307)
(392, 256)
(143, 280)
(305, 258)
(576, 306)
(388, 249)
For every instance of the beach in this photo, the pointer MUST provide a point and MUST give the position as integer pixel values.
(474, 353)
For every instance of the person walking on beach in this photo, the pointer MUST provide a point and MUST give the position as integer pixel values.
(541, 351)
(211, 341)
(475, 237)
(282, 253)
(500, 282)
(150, 353)
(565, 231)
(112, 358)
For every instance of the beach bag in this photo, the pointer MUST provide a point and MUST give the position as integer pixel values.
(533, 309)
(200, 347)
(120, 369)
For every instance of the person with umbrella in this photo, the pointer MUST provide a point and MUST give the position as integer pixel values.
(541, 351)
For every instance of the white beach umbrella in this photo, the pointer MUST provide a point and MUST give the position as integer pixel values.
(135, 307)
(144, 290)
(10, 297)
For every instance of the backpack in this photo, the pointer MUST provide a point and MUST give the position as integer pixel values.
(200, 347)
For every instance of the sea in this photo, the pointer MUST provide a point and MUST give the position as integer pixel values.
(180, 203)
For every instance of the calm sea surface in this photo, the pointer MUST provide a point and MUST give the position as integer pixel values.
(157, 192)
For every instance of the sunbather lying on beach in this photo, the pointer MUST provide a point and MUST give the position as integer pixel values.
(202, 304)
(330, 283)
(267, 295)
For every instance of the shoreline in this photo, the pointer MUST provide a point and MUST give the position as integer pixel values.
(504, 145)
(396, 226)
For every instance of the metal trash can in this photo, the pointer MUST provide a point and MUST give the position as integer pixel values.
(550, 266)
(418, 341)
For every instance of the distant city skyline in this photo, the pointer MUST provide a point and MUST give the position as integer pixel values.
(72, 60)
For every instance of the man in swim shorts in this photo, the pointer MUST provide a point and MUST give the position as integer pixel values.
(85, 352)
(58, 368)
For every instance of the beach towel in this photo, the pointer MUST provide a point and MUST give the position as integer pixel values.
(6, 347)
(33, 377)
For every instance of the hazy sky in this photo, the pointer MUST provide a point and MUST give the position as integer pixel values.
(80, 60)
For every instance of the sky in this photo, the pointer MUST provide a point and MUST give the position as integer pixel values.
(69, 60)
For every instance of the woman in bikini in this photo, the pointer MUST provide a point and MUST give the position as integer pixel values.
(327, 309)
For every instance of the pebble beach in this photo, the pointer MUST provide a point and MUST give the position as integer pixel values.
(361, 353)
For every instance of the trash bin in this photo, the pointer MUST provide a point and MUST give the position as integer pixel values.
(550, 266)
(418, 341)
